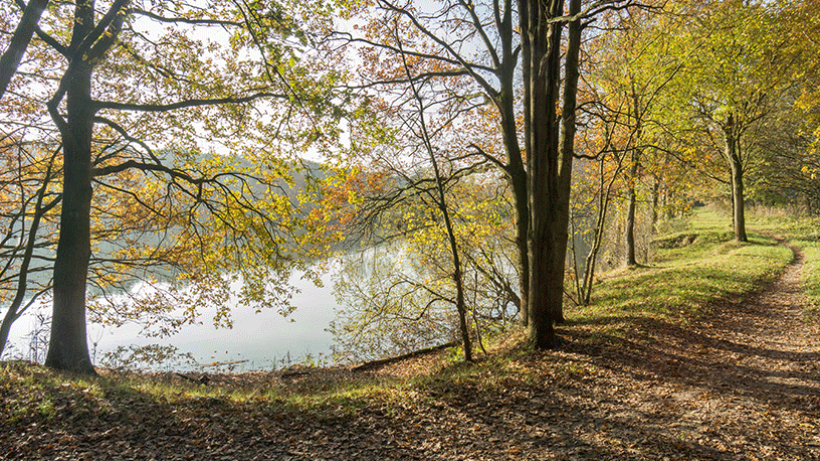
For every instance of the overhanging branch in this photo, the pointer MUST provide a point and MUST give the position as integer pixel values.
(98, 105)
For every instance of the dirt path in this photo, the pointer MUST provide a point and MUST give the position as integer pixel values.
(743, 383)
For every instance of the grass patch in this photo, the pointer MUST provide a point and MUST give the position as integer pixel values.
(32, 394)
(683, 279)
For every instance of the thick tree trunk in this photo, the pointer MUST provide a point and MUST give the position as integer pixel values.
(68, 346)
(527, 70)
(542, 39)
(550, 163)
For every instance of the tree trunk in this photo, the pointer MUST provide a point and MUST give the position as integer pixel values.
(517, 175)
(632, 200)
(637, 116)
(549, 166)
(733, 156)
(5, 327)
(515, 169)
(732, 197)
(542, 39)
(600, 223)
(520, 201)
(566, 151)
(739, 209)
(461, 306)
(68, 346)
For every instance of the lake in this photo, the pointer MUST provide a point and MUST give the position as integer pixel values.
(264, 339)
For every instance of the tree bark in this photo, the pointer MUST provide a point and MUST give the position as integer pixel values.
(542, 39)
(68, 346)
(739, 207)
(656, 186)
(515, 168)
(518, 176)
(549, 167)
(632, 201)
(733, 156)
(637, 116)
(732, 198)
(566, 149)
(518, 180)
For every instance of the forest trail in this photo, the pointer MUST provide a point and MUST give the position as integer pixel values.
(760, 369)
(741, 383)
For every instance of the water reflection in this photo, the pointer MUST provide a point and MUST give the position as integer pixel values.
(264, 340)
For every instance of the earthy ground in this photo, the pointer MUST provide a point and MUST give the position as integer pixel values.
(740, 384)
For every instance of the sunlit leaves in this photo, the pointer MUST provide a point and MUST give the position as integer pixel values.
(202, 110)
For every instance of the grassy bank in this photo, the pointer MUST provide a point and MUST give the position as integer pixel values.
(694, 266)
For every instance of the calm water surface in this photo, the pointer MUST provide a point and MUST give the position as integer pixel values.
(264, 339)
